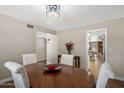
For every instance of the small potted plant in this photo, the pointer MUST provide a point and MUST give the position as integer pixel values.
(69, 46)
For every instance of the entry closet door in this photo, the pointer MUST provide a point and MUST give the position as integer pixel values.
(52, 49)
(41, 49)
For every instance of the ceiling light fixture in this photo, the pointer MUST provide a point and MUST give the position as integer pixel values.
(53, 11)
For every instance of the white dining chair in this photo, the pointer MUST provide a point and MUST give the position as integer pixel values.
(29, 59)
(106, 72)
(19, 74)
(67, 59)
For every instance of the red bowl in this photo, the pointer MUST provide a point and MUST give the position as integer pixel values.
(52, 67)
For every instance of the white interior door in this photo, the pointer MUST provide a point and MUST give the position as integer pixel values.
(41, 49)
(52, 49)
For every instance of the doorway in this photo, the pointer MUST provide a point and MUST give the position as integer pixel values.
(96, 50)
(46, 47)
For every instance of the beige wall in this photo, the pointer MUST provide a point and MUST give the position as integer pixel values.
(115, 30)
(15, 40)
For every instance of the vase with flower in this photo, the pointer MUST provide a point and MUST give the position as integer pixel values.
(69, 46)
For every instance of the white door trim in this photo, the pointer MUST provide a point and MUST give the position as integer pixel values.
(106, 44)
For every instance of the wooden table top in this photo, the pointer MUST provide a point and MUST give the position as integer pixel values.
(114, 83)
(68, 77)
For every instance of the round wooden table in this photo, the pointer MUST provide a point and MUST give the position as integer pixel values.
(68, 77)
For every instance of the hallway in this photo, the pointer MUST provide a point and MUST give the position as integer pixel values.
(95, 66)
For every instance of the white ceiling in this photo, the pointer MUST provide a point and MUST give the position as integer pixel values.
(71, 15)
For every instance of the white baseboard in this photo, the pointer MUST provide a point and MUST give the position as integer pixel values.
(120, 78)
(5, 80)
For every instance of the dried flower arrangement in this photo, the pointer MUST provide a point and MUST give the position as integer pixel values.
(69, 46)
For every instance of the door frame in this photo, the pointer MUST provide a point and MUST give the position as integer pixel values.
(106, 45)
